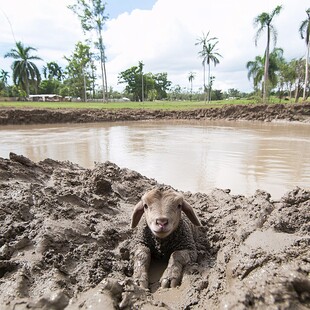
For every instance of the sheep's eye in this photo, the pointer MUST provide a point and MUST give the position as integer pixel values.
(179, 206)
(145, 206)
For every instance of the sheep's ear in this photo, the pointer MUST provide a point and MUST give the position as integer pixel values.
(190, 213)
(137, 214)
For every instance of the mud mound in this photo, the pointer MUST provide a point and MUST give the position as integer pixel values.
(260, 112)
(64, 243)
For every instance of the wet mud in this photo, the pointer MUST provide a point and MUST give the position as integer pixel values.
(258, 112)
(65, 243)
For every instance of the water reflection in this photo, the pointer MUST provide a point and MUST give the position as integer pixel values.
(189, 155)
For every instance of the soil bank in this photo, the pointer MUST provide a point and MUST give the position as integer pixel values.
(65, 237)
(270, 112)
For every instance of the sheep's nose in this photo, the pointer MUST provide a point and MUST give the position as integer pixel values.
(162, 221)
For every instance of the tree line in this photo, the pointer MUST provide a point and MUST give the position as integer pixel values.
(270, 72)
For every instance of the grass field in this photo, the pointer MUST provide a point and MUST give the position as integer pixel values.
(162, 105)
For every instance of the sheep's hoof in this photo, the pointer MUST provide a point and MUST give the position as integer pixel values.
(166, 283)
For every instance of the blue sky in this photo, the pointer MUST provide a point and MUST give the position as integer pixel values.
(117, 7)
(161, 33)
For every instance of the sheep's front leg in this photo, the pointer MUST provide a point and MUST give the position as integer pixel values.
(142, 259)
(172, 276)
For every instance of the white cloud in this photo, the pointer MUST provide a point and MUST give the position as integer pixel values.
(48, 26)
(163, 37)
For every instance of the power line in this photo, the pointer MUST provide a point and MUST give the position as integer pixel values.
(9, 24)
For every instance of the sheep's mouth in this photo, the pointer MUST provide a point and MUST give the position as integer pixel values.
(161, 233)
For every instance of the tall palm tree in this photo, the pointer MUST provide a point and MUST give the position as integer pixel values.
(264, 21)
(209, 54)
(25, 72)
(304, 31)
(191, 77)
(203, 40)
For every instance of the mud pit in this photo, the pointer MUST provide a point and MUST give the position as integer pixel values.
(65, 240)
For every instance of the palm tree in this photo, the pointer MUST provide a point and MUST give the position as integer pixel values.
(256, 68)
(25, 72)
(211, 55)
(4, 75)
(264, 20)
(191, 77)
(208, 54)
(276, 60)
(304, 31)
(203, 42)
(52, 70)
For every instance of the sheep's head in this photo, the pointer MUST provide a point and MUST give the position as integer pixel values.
(162, 209)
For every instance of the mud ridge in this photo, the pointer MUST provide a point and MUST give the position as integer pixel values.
(251, 112)
(65, 240)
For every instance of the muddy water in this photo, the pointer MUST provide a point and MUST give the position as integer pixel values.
(189, 155)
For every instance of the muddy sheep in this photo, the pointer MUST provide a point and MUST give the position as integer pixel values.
(163, 233)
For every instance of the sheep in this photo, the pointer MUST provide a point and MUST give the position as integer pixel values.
(163, 233)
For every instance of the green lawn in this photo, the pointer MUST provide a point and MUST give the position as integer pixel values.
(169, 105)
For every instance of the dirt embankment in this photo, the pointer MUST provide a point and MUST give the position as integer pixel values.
(64, 239)
(288, 112)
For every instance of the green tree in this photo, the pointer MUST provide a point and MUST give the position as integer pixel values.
(176, 92)
(152, 94)
(256, 71)
(132, 77)
(52, 71)
(4, 76)
(25, 72)
(304, 31)
(161, 84)
(191, 77)
(299, 67)
(264, 21)
(79, 76)
(209, 54)
(50, 86)
(53, 74)
(256, 68)
(233, 93)
(217, 94)
(275, 62)
(92, 17)
(288, 75)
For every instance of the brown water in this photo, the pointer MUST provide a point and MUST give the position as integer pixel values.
(189, 155)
